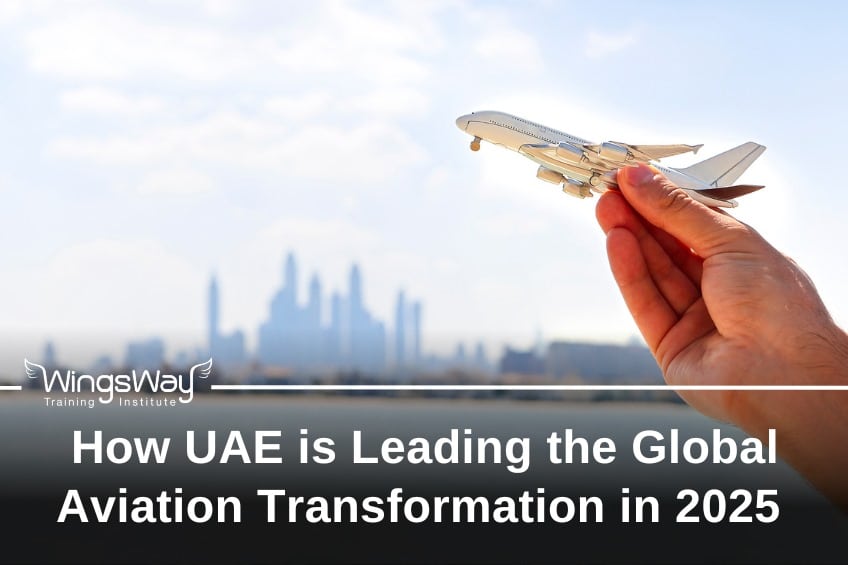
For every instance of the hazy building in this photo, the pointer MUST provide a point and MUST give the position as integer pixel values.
(227, 350)
(279, 336)
(145, 354)
(415, 333)
(521, 362)
(407, 342)
(367, 335)
(50, 356)
(602, 362)
(459, 356)
(480, 361)
(337, 347)
(102, 365)
(400, 331)
(213, 313)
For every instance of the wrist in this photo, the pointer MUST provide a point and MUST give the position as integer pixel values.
(812, 426)
(822, 357)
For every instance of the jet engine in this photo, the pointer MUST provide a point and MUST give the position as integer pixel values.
(570, 153)
(614, 152)
(576, 188)
(550, 176)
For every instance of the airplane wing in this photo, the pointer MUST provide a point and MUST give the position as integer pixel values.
(553, 154)
(568, 154)
(652, 152)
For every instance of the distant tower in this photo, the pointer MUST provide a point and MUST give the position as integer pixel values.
(459, 356)
(355, 289)
(400, 330)
(290, 278)
(539, 345)
(336, 313)
(313, 307)
(337, 323)
(416, 332)
(480, 360)
(49, 355)
(213, 312)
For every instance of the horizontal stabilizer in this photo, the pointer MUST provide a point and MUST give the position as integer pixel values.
(730, 192)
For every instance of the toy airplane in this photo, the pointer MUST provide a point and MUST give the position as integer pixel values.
(583, 167)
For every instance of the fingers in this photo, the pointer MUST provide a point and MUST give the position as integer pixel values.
(680, 254)
(673, 268)
(671, 209)
(649, 308)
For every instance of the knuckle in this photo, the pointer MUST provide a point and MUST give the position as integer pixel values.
(674, 200)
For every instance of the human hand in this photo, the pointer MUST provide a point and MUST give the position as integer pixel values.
(718, 305)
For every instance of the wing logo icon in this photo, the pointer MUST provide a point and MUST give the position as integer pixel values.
(34, 370)
(201, 370)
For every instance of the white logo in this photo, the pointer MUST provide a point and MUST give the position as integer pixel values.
(108, 385)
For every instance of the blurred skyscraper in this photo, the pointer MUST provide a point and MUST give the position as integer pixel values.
(367, 334)
(227, 350)
(415, 329)
(480, 360)
(400, 331)
(50, 355)
(407, 343)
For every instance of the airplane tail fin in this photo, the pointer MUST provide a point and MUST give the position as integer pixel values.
(725, 168)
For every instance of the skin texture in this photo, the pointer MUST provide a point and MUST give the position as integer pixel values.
(718, 305)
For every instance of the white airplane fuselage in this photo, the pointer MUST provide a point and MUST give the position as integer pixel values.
(513, 132)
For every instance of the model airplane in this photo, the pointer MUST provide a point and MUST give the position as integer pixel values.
(583, 167)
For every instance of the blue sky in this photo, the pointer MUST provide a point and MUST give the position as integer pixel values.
(146, 145)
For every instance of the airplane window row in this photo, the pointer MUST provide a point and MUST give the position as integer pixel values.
(523, 131)
(549, 130)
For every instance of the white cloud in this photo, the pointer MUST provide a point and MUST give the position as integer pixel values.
(600, 44)
(366, 153)
(229, 136)
(512, 225)
(100, 100)
(102, 284)
(10, 10)
(369, 153)
(401, 101)
(509, 47)
(329, 38)
(373, 46)
(220, 8)
(496, 40)
(300, 108)
(175, 181)
(103, 44)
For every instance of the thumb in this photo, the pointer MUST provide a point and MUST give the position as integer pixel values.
(670, 208)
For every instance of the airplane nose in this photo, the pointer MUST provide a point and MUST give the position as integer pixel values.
(462, 121)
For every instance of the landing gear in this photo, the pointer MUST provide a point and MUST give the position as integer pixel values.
(475, 144)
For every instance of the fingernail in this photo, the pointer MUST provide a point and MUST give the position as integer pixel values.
(638, 175)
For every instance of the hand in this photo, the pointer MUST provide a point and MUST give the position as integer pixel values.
(718, 305)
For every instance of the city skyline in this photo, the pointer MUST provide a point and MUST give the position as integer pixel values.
(296, 335)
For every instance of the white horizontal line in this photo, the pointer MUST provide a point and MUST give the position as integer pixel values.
(10, 387)
(574, 388)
